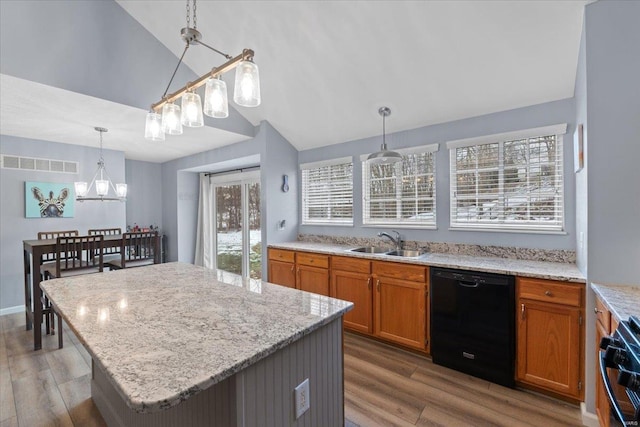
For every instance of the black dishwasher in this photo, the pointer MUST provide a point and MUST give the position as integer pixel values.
(473, 323)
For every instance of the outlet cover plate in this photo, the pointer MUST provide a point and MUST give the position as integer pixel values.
(302, 398)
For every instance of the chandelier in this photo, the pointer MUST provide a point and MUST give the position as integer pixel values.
(165, 117)
(102, 185)
(384, 156)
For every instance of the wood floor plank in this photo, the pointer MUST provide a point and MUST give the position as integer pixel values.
(23, 365)
(38, 401)
(77, 397)
(9, 422)
(7, 403)
(382, 358)
(365, 414)
(67, 364)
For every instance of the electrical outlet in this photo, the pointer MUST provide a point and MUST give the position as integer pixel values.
(302, 398)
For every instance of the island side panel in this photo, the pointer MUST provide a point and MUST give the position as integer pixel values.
(261, 395)
(265, 390)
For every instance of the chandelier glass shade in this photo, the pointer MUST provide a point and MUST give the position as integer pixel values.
(215, 99)
(101, 183)
(216, 105)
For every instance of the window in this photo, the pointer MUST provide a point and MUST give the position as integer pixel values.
(327, 192)
(508, 182)
(403, 193)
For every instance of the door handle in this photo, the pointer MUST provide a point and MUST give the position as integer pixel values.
(369, 283)
(522, 311)
(292, 268)
(378, 284)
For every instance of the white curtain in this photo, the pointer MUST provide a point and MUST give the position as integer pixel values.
(205, 250)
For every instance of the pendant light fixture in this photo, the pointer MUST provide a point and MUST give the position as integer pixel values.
(384, 156)
(101, 184)
(190, 113)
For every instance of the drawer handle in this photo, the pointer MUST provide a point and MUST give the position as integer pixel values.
(548, 293)
(310, 260)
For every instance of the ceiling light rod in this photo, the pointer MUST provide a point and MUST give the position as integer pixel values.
(246, 55)
(102, 185)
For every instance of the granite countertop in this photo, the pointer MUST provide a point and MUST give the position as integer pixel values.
(539, 269)
(621, 300)
(165, 332)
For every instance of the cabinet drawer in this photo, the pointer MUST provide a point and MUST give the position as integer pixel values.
(549, 291)
(282, 255)
(314, 260)
(603, 315)
(350, 264)
(400, 271)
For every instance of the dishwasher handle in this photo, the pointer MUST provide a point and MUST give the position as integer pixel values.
(468, 284)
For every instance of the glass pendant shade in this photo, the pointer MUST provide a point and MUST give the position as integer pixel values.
(246, 91)
(215, 99)
(102, 187)
(81, 188)
(121, 190)
(171, 121)
(192, 110)
(153, 127)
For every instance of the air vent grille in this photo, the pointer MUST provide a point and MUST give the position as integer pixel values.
(37, 164)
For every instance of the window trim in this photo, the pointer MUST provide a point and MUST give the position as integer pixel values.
(558, 131)
(429, 148)
(343, 222)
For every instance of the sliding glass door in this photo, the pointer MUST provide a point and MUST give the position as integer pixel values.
(237, 225)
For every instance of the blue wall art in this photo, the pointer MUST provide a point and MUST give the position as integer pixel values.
(49, 200)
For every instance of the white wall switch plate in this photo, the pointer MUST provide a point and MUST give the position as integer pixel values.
(302, 398)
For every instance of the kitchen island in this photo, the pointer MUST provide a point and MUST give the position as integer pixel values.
(177, 344)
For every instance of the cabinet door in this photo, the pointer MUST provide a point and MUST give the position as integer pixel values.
(549, 347)
(313, 279)
(357, 288)
(400, 313)
(282, 273)
(603, 410)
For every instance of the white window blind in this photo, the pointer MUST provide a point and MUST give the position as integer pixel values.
(403, 193)
(327, 192)
(509, 184)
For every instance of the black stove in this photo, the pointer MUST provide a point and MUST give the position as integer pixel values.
(620, 363)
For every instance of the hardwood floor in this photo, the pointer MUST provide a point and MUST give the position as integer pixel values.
(384, 386)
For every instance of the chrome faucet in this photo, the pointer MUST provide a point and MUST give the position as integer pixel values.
(396, 240)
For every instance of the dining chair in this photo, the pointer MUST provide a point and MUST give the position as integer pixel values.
(137, 249)
(83, 255)
(111, 252)
(47, 261)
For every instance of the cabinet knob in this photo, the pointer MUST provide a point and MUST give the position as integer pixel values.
(548, 293)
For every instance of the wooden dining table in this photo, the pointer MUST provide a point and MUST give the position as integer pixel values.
(33, 251)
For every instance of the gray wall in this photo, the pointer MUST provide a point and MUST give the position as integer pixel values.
(144, 193)
(607, 194)
(14, 227)
(562, 111)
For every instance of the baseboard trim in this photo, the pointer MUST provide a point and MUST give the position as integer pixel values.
(11, 310)
(588, 419)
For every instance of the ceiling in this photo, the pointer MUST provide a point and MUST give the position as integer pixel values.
(326, 68)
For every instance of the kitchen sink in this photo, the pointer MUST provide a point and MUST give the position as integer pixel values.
(406, 253)
(370, 250)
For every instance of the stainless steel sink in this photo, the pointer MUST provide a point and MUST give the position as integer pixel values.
(370, 250)
(406, 253)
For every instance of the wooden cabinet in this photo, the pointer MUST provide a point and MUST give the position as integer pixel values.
(301, 270)
(400, 303)
(351, 281)
(312, 273)
(603, 329)
(550, 336)
(282, 267)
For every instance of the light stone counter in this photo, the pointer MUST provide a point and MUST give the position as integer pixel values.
(164, 333)
(539, 269)
(621, 300)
